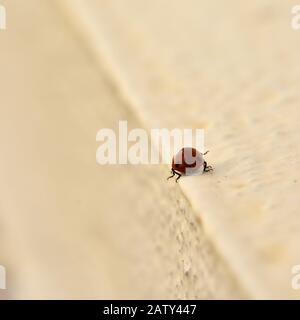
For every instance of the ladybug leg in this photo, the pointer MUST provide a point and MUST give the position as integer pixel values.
(179, 176)
(173, 174)
(207, 168)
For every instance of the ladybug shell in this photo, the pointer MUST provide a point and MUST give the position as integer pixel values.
(188, 161)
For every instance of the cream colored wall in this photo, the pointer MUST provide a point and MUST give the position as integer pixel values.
(232, 68)
(70, 228)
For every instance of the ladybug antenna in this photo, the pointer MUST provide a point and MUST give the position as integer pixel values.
(206, 152)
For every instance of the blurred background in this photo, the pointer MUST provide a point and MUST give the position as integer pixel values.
(72, 229)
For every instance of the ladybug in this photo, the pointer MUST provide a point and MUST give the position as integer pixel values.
(189, 161)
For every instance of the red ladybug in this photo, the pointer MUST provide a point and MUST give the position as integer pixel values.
(189, 161)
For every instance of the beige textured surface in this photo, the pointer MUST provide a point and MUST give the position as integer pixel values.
(233, 68)
(68, 227)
